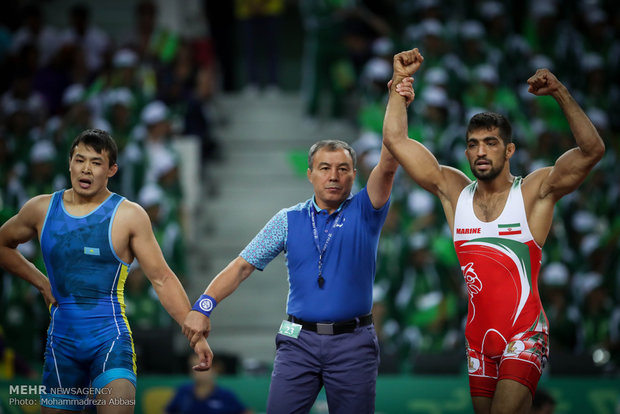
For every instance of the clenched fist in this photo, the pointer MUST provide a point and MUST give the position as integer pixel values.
(543, 82)
(407, 63)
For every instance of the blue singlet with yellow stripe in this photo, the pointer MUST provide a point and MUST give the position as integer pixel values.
(89, 341)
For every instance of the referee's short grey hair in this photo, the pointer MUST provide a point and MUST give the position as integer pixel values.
(331, 145)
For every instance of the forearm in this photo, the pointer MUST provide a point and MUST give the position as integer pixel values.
(395, 119)
(197, 325)
(16, 264)
(585, 133)
(381, 179)
(229, 279)
(172, 297)
(416, 159)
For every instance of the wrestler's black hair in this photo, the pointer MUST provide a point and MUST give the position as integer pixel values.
(490, 120)
(98, 140)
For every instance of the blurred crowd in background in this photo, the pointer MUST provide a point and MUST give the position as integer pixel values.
(153, 86)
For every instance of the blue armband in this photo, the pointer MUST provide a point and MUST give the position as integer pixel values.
(205, 304)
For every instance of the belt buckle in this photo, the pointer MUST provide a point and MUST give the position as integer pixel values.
(325, 328)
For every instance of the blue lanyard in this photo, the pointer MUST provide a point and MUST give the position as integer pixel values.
(315, 233)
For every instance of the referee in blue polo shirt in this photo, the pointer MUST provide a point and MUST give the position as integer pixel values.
(330, 242)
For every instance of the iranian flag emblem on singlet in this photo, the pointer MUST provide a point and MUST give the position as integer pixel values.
(498, 275)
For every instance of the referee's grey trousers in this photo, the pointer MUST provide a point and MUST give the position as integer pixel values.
(345, 364)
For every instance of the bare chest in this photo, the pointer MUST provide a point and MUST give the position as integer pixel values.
(489, 208)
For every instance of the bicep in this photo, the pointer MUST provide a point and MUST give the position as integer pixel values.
(569, 171)
(420, 164)
(144, 246)
(22, 227)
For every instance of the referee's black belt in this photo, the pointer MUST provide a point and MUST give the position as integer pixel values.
(333, 328)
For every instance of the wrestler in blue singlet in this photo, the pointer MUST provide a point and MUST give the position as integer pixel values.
(89, 341)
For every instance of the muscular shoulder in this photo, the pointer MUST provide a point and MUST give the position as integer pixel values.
(40, 202)
(35, 209)
(131, 215)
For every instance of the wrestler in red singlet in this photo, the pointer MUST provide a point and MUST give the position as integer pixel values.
(507, 330)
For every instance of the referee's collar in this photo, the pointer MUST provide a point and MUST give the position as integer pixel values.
(318, 209)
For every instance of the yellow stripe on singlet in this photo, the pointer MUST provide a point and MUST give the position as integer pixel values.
(120, 291)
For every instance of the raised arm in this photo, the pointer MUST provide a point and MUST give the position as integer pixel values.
(572, 167)
(381, 177)
(417, 160)
(20, 229)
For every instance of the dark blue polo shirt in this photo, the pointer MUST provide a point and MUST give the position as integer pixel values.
(349, 260)
(220, 401)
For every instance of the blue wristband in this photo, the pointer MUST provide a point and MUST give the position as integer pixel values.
(205, 304)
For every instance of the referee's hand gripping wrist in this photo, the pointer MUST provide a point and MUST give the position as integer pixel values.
(197, 327)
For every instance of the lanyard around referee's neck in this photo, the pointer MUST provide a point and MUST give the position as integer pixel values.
(315, 234)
